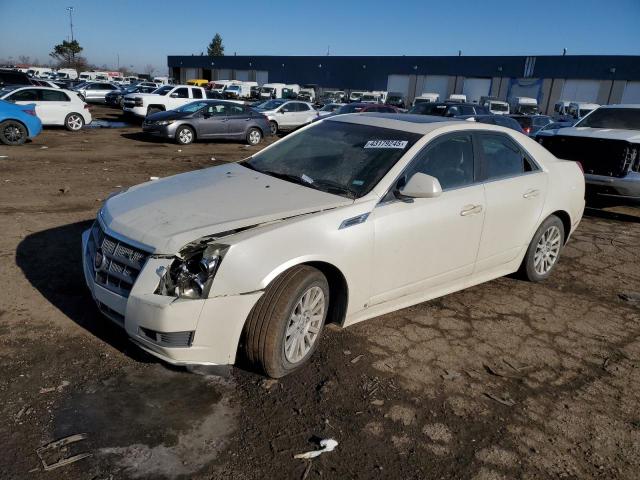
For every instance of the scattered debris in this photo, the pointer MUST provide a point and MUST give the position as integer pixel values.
(450, 375)
(267, 383)
(357, 359)
(377, 402)
(59, 388)
(306, 471)
(347, 352)
(60, 447)
(64, 189)
(179, 150)
(213, 159)
(605, 364)
(44, 147)
(327, 444)
(506, 400)
(4, 156)
(492, 371)
(632, 297)
(154, 178)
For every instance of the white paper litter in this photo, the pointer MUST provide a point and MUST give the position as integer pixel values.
(327, 444)
(154, 178)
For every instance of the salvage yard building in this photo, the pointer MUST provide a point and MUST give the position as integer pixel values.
(602, 79)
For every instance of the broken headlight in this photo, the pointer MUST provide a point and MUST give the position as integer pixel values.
(192, 275)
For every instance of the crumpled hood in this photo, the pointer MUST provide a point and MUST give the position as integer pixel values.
(605, 133)
(166, 214)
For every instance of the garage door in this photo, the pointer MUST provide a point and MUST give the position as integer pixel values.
(242, 75)
(435, 84)
(224, 74)
(474, 88)
(631, 93)
(262, 77)
(398, 83)
(190, 74)
(580, 90)
(524, 87)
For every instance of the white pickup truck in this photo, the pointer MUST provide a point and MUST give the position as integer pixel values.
(167, 97)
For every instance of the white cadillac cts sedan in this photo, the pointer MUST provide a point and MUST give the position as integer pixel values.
(349, 218)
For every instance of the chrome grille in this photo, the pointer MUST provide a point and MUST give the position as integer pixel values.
(120, 265)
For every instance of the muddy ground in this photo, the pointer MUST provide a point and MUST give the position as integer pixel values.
(504, 380)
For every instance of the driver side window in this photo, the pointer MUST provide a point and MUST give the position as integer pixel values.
(448, 159)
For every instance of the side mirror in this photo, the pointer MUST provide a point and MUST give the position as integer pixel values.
(421, 185)
(284, 110)
(174, 95)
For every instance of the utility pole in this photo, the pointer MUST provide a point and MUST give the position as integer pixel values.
(70, 10)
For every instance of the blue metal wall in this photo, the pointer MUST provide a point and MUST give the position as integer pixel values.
(371, 72)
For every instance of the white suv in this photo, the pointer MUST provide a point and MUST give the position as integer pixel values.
(167, 97)
(287, 114)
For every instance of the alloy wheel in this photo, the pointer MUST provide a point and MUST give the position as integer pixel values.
(303, 327)
(74, 122)
(254, 137)
(547, 250)
(185, 136)
(12, 133)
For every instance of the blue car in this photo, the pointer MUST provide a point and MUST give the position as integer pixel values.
(18, 123)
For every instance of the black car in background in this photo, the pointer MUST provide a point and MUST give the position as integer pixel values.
(449, 109)
(532, 123)
(500, 120)
(13, 77)
(116, 97)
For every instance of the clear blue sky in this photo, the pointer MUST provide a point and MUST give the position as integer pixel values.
(144, 32)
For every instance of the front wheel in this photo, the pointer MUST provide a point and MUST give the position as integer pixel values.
(544, 250)
(74, 122)
(185, 135)
(12, 133)
(254, 136)
(274, 127)
(284, 326)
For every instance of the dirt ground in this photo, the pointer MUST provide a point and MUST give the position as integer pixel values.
(505, 380)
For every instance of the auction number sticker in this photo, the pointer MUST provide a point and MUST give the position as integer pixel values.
(386, 144)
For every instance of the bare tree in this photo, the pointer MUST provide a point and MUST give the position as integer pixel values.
(24, 59)
(149, 69)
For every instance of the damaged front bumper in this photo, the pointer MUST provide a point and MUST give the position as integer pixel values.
(625, 188)
(178, 331)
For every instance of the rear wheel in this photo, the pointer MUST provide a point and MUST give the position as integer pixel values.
(284, 327)
(74, 122)
(12, 133)
(185, 135)
(544, 250)
(254, 136)
(274, 127)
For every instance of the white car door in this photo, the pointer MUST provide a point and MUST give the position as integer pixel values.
(305, 114)
(177, 98)
(57, 105)
(424, 244)
(515, 189)
(286, 115)
(26, 96)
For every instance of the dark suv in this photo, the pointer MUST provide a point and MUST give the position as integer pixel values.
(448, 109)
(13, 77)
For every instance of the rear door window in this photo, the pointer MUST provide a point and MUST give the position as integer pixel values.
(53, 96)
(502, 157)
(196, 93)
(28, 95)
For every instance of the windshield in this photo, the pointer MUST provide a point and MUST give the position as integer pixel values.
(528, 109)
(619, 118)
(336, 157)
(499, 107)
(584, 112)
(163, 90)
(267, 89)
(428, 108)
(329, 108)
(369, 97)
(192, 107)
(271, 104)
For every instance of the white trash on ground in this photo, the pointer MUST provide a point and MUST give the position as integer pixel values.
(327, 444)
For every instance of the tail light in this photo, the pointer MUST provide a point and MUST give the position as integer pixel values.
(30, 112)
(527, 130)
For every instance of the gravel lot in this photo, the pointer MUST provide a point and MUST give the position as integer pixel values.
(504, 380)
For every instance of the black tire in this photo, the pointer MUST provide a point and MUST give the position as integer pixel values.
(185, 135)
(152, 110)
(274, 127)
(254, 136)
(528, 268)
(74, 122)
(264, 334)
(13, 133)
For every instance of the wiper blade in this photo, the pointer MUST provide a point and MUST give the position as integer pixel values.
(336, 187)
(289, 177)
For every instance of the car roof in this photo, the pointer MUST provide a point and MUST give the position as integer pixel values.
(622, 105)
(421, 124)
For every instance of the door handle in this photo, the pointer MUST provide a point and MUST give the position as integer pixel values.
(470, 210)
(531, 193)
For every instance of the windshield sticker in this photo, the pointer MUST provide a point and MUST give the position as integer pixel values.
(358, 183)
(386, 144)
(307, 178)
